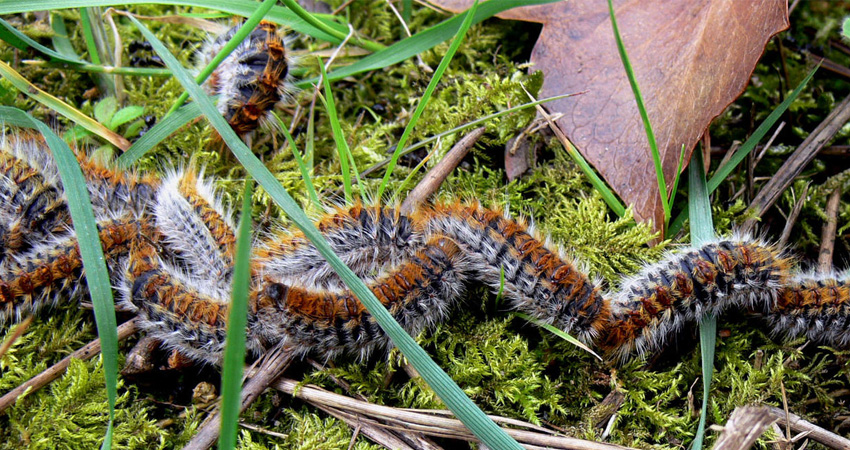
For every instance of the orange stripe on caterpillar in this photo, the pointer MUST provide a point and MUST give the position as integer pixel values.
(54, 270)
(537, 280)
(418, 293)
(368, 239)
(252, 79)
(817, 307)
(687, 286)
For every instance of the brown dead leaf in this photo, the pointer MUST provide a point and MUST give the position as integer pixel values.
(691, 59)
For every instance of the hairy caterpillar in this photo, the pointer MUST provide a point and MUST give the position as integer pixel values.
(252, 79)
(169, 245)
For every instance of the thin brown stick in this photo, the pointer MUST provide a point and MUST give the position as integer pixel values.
(827, 239)
(427, 423)
(55, 371)
(19, 331)
(801, 157)
(435, 177)
(799, 425)
(792, 217)
(274, 363)
(745, 425)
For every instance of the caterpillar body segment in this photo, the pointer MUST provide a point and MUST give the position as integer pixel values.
(252, 79)
(685, 287)
(537, 280)
(418, 293)
(814, 306)
(197, 229)
(53, 271)
(368, 239)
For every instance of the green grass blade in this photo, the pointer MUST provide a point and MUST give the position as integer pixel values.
(94, 263)
(558, 332)
(158, 133)
(327, 28)
(678, 175)
(61, 107)
(466, 126)
(228, 48)
(21, 41)
(702, 231)
(244, 8)
(432, 85)
(305, 172)
(480, 425)
(88, 35)
(745, 149)
(341, 145)
(237, 320)
(650, 136)
(60, 39)
(424, 40)
(607, 195)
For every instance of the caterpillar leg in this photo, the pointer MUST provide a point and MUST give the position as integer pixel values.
(418, 293)
(53, 270)
(537, 280)
(367, 238)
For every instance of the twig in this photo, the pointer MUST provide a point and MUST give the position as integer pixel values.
(827, 239)
(275, 362)
(427, 423)
(745, 425)
(792, 217)
(795, 164)
(19, 331)
(55, 371)
(435, 177)
(799, 425)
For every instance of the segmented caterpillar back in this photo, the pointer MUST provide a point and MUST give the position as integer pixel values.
(252, 79)
(686, 286)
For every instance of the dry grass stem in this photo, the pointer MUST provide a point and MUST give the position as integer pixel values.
(55, 371)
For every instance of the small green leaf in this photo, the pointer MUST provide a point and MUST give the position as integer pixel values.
(125, 115)
(104, 110)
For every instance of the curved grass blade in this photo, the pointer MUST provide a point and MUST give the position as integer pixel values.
(62, 108)
(745, 149)
(242, 8)
(60, 39)
(650, 135)
(158, 133)
(558, 332)
(480, 425)
(237, 320)
(21, 41)
(247, 28)
(423, 40)
(702, 231)
(305, 172)
(337, 33)
(432, 85)
(94, 263)
(341, 145)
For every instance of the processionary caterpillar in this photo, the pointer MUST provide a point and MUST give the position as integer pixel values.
(169, 246)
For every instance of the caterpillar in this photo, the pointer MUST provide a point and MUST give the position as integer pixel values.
(169, 248)
(252, 79)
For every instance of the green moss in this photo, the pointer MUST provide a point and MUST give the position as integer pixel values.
(508, 366)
